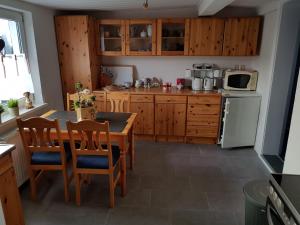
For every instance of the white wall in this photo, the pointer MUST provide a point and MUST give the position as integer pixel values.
(292, 164)
(283, 78)
(264, 63)
(40, 33)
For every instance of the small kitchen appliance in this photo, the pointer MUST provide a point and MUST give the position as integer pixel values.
(240, 80)
(203, 77)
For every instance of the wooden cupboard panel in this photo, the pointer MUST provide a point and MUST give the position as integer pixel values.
(206, 36)
(170, 119)
(76, 52)
(144, 123)
(160, 36)
(9, 193)
(170, 99)
(110, 22)
(215, 100)
(141, 98)
(179, 119)
(241, 36)
(202, 120)
(195, 111)
(202, 131)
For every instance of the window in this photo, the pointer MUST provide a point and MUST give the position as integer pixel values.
(15, 77)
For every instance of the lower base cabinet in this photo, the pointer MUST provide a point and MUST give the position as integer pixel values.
(144, 124)
(170, 115)
(9, 194)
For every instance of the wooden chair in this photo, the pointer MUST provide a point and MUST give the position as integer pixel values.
(74, 97)
(118, 100)
(44, 153)
(94, 156)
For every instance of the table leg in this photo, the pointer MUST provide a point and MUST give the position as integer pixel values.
(131, 148)
(123, 167)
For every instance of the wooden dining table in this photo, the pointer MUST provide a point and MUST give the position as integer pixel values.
(121, 132)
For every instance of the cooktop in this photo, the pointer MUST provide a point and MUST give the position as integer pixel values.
(290, 190)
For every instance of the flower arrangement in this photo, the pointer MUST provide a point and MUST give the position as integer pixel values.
(82, 101)
(84, 105)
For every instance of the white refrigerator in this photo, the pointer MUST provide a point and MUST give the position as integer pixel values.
(240, 119)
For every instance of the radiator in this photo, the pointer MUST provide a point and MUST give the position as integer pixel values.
(19, 158)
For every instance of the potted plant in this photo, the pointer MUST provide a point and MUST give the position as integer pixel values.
(1, 111)
(84, 105)
(13, 107)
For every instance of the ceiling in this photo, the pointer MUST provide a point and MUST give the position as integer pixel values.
(132, 4)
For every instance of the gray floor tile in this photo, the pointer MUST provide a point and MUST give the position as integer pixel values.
(179, 184)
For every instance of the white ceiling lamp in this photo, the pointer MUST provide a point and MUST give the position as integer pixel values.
(145, 4)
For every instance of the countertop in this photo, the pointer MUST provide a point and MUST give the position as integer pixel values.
(171, 91)
(6, 149)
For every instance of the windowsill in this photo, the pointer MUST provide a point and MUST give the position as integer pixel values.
(9, 122)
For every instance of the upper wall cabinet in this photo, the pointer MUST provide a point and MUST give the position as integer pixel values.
(241, 36)
(141, 37)
(173, 36)
(110, 37)
(206, 37)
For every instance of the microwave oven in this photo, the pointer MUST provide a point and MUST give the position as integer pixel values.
(240, 80)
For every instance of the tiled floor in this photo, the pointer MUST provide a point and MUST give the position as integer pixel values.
(172, 184)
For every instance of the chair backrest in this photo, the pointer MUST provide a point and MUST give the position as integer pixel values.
(36, 136)
(74, 97)
(93, 138)
(118, 101)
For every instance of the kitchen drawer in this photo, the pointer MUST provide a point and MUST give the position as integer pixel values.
(195, 111)
(141, 98)
(202, 131)
(99, 96)
(170, 99)
(203, 120)
(213, 100)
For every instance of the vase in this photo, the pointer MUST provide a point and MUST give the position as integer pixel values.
(87, 113)
(13, 111)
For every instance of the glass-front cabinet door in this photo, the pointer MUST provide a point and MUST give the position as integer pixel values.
(173, 36)
(141, 37)
(111, 37)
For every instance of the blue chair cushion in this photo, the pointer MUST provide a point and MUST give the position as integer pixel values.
(98, 162)
(50, 158)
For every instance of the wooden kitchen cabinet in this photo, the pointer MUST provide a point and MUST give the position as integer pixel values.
(173, 37)
(170, 115)
(99, 104)
(141, 37)
(76, 52)
(203, 117)
(143, 105)
(206, 37)
(110, 37)
(241, 36)
(9, 193)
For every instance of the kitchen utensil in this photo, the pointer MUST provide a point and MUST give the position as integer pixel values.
(197, 84)
(208, 84)
(127, 84)
(138, 83)
(188, 73)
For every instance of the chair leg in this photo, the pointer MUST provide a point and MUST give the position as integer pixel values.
(111, 191)
(32, 185)
(77, 184)
(66, 185)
